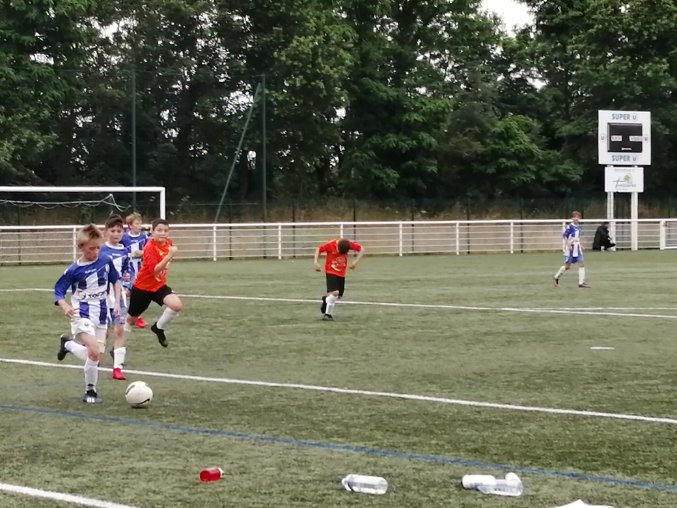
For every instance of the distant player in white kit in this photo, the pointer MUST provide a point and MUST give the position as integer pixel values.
(89, 280)
(573, 251)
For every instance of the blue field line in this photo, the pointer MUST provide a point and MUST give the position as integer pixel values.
(609, 480)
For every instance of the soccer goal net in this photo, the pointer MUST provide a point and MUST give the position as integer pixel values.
(38, 224)
(35, 205)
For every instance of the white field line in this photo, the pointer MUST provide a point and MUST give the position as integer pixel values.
(368, 393)
(594, 311)
(58, 496)
(535, 310)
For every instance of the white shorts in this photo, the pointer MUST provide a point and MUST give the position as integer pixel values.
(86, 326)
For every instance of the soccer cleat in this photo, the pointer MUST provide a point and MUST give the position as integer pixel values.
(62, 348)
(584, 285)
(118, 374)
(140, 322)
(323, 307)
(91, 397)
(327, 317)
(161, 338)
(555, 281)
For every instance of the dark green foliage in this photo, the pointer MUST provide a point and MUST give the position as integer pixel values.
(398, 99)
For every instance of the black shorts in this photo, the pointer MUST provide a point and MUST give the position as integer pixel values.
(139, 300)
(335, 283)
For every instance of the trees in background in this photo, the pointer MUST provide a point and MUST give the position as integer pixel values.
(401, 99)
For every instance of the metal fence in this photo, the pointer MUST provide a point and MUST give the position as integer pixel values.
(56, 244)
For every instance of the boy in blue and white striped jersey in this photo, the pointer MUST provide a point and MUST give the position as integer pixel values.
(89, 280)
(135, 239)
(120, 255)
(573, 251)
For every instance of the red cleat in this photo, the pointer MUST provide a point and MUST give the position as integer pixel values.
(140, 323)
(118, 374)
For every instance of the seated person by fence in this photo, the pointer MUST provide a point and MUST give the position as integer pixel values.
(602, 239)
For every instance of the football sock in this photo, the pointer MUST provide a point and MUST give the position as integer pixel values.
(77, 349)
(331, 301)
(560, 272)
(167, 316)
(119, 357)
(581, 275)
(91, 373)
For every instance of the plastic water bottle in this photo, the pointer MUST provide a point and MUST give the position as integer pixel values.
(511, 485)
(365, 484)
(211, 474)
(473, 481)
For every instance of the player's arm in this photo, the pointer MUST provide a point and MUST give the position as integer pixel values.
(162, 264)
(67, 309)
(117, 293)
(125, 271)
(114, 278)
(138, 253)
(567, 236)
(360, 252)
(60, 289)
(568, 244)
(316, 260)
(318, 251)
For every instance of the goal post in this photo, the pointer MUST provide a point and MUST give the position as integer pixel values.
(47, 189)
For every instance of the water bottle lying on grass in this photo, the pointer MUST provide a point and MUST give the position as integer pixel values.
(511, 485)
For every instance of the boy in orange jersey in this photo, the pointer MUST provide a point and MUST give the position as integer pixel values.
(335, 269)
(150, 284)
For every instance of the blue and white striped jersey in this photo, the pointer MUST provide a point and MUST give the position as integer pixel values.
(572, 240)
(134, 243)
(89, 283)
(120, 256)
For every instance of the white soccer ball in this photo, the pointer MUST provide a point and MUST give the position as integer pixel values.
(138, 394)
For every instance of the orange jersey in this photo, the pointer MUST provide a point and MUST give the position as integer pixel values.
(337, 263)
(153, 253)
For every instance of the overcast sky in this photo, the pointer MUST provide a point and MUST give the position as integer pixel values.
(512, 12)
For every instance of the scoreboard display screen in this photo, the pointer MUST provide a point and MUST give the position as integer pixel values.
(624, 137)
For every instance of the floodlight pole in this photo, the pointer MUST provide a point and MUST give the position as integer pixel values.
(236, 156)
(134, 136)
(264, 169)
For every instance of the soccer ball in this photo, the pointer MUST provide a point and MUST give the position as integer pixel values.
(138, 394)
